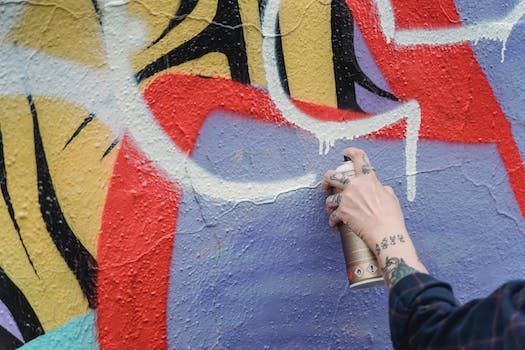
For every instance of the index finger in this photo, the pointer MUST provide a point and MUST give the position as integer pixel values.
(362, 165)
(334, 180)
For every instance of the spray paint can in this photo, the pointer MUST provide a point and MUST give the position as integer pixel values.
(362, 267)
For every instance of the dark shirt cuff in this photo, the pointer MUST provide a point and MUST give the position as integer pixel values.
(405, 297)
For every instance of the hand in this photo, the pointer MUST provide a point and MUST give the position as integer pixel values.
(373, 212)
(370, 209)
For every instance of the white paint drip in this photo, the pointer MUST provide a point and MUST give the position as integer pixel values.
(499, 30)
(153, 141)
(329, 132)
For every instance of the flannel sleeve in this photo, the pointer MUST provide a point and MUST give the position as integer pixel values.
(424, 314)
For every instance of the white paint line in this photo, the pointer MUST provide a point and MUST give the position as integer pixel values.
(498, 30)
(153, 141)
(386, 19)
(82, 85)
(329, 132)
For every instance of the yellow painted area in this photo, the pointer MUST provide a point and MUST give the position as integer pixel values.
(249, 10)
(307, 46)
(79, 173)
(214, 64)
(67, 29)
(156, 21)
(154, 15)
(80, 179)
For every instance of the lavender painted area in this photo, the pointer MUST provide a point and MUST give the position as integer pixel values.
(506, 78)
(272, 275)
(368, 101)
(7, 321)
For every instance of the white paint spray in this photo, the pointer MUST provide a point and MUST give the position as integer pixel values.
(113, 95)
(151, 138)
(329, 132)
(498, 30)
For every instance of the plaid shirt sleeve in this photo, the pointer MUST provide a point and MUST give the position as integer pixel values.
(424, 314)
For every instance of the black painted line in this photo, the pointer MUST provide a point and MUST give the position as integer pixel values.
(76, 256)
(346, 67)
(186, 7)
(98, 12)
(281, 66)
(84, 123)
(8, 341)
(262, 7)
(22, 312)
(111, 147)
(8, 202)
(224, 34)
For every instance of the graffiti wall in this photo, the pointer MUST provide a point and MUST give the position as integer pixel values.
(160, 164)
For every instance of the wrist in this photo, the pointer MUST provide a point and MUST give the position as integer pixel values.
(384, 237)
(396, 256)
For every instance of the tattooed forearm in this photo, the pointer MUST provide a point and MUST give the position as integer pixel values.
(395, 269)
(389, 241)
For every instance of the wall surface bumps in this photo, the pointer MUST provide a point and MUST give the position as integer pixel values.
(160, 164)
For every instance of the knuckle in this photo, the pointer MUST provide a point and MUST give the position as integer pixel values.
(347, 195)
(353, 152)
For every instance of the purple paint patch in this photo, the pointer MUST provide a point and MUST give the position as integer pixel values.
(368, 101)
(272, 275)
(7, 321)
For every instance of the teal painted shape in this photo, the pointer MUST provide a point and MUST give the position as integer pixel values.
(79, 333)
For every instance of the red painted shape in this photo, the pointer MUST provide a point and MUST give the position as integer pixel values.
(134, 254)
(181, 103)
(456, 100)
(327, 113)
(425, 14)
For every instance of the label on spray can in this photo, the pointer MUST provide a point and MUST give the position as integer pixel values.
(362, 267)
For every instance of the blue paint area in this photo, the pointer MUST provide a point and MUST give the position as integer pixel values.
(272, 276)
(78, 334)
(506, 78)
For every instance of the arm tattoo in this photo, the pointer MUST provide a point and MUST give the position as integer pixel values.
(395, 269)
(389, 241)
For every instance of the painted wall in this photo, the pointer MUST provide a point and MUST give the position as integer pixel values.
(160, 164)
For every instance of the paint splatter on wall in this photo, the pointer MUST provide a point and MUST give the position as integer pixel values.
(160, 164)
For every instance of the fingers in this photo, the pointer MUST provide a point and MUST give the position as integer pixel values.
(334, 220)
(332, 202)
(362, 165)
(390, 190)
(333, 179)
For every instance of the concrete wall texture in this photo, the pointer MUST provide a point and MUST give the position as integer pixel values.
(160, 164)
